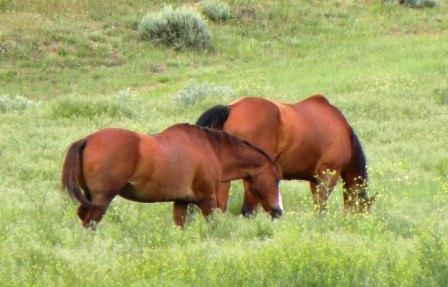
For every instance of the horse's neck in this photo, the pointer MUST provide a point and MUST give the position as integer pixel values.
(240, 162)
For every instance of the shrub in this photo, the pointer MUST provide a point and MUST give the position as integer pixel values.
(179, 28)
(194, 93)
(419, 3)
(17, 103)
(216, 11)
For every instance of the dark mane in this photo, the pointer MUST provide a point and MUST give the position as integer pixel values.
(218, 136)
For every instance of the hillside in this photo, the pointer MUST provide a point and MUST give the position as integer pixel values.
(68, 68)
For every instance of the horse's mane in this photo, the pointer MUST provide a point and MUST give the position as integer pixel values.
(217, 137)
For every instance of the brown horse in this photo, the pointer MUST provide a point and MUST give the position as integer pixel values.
(310, 140)
(185, 164)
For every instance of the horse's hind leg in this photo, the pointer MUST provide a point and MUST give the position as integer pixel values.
(97, 211)
(82, 211)
(354, 190)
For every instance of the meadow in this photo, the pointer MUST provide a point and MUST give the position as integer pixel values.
(68, 68)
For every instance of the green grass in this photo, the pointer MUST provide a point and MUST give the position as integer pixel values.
(84, 67)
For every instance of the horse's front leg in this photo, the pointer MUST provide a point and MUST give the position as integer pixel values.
(208, 205)
(321, 189)
(222, 196)
(180, 213)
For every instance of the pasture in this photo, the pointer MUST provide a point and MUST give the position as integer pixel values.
(68, 68)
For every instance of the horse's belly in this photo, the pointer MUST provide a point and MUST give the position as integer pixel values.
(156, 193)
(297, 173)
(297, 165)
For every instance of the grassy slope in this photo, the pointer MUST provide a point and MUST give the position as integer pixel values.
(380, 63)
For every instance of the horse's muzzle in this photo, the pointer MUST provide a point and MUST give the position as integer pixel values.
(276, 213)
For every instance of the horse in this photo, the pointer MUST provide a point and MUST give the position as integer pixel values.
(183, 164)
(310, 140)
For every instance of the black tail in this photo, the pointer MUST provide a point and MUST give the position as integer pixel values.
(72, 176)
(214, 117)
(359, 156)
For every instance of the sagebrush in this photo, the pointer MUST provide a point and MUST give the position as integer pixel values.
(180, 28)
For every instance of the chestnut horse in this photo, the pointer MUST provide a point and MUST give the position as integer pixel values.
(184, 164)
(310, 140)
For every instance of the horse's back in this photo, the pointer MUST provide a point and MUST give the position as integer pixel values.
(187, 149)
(255, 120)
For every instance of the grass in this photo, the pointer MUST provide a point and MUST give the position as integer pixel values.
(83, 62)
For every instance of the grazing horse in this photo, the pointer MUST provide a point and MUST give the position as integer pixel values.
(310, 140)
(184, 164)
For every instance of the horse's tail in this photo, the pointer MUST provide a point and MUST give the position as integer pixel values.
(360, 170)
(214, 117)
(359, 157)
(72, 177)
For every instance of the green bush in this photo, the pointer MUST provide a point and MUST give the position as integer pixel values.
(179, 28)
(17, 103)
(194, 93)
(216, 11)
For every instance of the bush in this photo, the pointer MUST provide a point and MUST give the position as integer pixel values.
(419, 3)
(216, 11)
(17, 103)
(195, 93)
(179, 28)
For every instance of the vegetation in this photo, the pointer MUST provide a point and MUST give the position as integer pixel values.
(17, 103)
(419, 3)
(180, 28)
(194, 93)
(84, 66)
(216, 11)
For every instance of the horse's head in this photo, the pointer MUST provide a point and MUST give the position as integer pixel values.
(264, 186)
